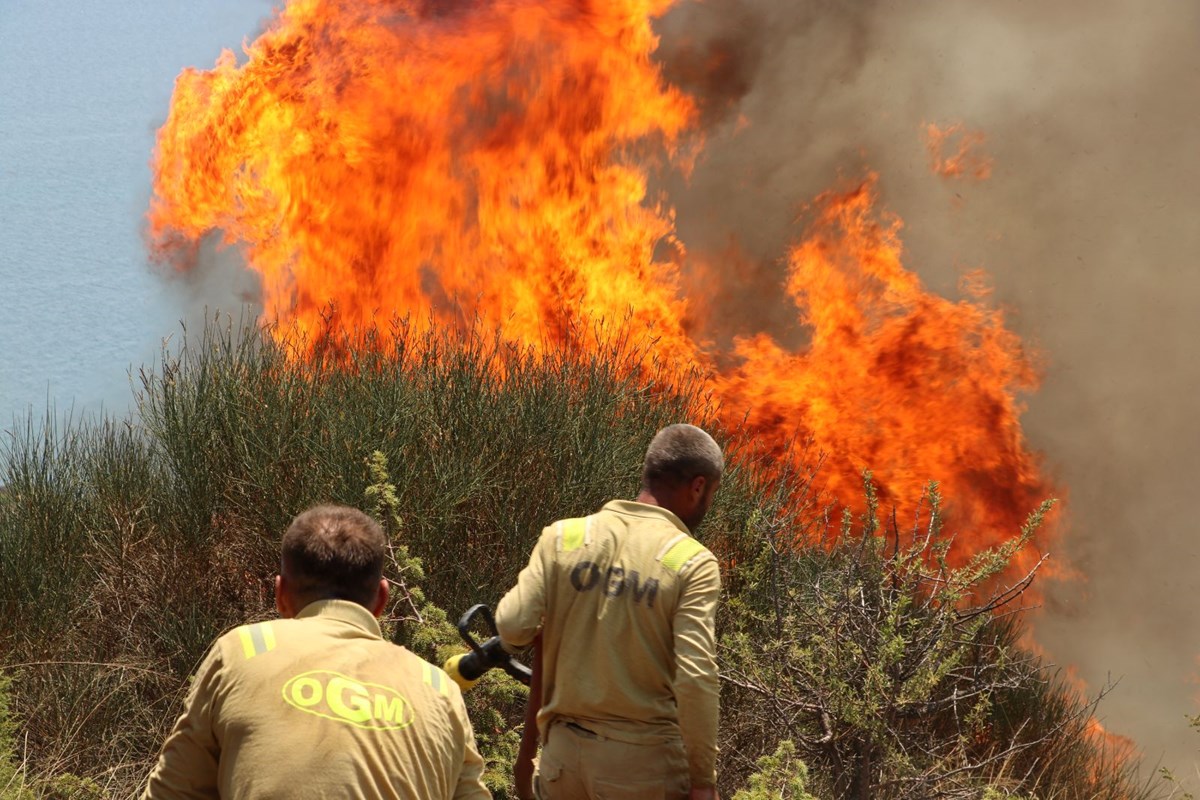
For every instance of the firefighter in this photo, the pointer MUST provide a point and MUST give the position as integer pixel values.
(622, 604)
(317, 704)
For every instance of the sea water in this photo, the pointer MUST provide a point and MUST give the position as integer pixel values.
(84, 85)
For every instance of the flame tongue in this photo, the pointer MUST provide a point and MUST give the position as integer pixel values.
(383, 159)
(894, 379)
(380, 161)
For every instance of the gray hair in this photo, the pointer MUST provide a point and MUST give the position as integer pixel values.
(679, 453)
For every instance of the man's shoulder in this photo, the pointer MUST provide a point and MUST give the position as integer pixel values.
(568, 534)
(644, 537)
(572, 535)
(250, 639)
(684, 554)
(264, 647)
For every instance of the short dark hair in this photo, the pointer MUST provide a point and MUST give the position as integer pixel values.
(679, 453)
(334, 553)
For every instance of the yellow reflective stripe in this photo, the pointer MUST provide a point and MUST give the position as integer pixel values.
(247, 642)
(573, 533)
(256, 639)
(681, 553)
(433, 677)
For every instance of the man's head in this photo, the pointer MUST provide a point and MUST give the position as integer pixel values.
(331, 553)
(682, 471)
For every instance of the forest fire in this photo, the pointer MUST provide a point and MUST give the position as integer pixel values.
(492, 160)
(966, 160)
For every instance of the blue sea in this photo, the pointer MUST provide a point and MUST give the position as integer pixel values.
(84, 84)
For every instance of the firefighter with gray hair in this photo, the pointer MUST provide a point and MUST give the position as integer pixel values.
(317, 704)
(621, 605)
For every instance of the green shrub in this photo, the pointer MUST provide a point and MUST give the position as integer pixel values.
(12, 779)
(780, 776)
(127, 546)
(896, 675)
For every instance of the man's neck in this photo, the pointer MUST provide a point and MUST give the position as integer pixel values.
(663, 500)
(647, 497)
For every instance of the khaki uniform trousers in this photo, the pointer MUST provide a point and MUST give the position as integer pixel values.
(577, 764)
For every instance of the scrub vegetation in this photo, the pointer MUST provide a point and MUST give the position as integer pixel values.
(855, 662)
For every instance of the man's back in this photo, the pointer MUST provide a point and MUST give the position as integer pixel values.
(319, 706)
(627, 598)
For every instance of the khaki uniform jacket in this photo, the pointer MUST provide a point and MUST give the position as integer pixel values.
(626, 600)
(314, 707)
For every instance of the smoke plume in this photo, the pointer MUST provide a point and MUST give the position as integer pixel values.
(1087, 227)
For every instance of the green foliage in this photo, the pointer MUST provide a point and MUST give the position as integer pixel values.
(72, 787)
(992, 793)
(127, 546)
(12, 781)
(496, 702)
(780, 776)
(897, 673)
(15, 784)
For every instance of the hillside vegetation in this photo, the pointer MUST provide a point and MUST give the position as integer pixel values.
(855, 662)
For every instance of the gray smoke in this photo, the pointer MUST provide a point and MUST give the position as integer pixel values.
(212, 281)
(1088, 227)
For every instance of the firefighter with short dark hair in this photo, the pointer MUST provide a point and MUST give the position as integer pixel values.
(317, 704)
(623, 606)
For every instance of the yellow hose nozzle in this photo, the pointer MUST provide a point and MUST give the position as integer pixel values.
(452, 669)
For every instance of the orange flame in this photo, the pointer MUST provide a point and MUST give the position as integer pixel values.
(894, 379)
(390, 156)
(1114, 748)
(383, 157)
(966, 161)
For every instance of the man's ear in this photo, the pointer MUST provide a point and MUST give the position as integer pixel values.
(696, 488)
(381, 597)
(283, 603)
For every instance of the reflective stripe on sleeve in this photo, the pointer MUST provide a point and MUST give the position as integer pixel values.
(433, 677)
(680, 553)
(256, 639)
(572, 534)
